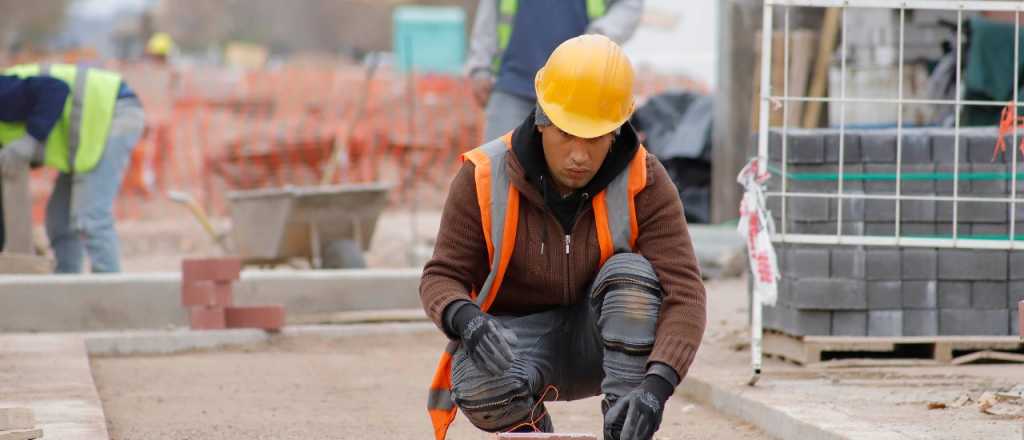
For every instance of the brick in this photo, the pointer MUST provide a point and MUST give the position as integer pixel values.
(849, 323)
(920, 322)
(262, 317)
(885, 323)
(885, 295)
(878, 147)
(808, 322)
(956, 322)
(211, 269)
(883, 264)
(974, 265)
(989, 295)
(206, 317)
(544, 436)
(878, 210)
(847, 262)
(803, 262)
(916, 147)
(829, 294)
(1017, 262)
(919, 264)
(206, 293)
(16, 418)
(920, 295)
(954, 294)
(808, 209)
(851, 147)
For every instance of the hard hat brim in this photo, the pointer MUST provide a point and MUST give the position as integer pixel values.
(579, 125)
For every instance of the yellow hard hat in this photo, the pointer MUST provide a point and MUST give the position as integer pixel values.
(159, 44)
(586, 86)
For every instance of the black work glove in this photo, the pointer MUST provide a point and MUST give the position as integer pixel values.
(488, 343)
(637, 415)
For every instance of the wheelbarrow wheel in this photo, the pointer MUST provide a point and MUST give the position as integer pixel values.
(343, 254)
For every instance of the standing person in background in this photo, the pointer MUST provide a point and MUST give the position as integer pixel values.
(512, 39)
(84, 122)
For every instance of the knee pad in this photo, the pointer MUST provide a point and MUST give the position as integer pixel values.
(497, 406)
(627, 297)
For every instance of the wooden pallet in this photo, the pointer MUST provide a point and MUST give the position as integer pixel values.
(840, 351)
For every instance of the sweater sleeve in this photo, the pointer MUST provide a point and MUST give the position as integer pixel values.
(665, 241)
(37, 101)
(459, 264)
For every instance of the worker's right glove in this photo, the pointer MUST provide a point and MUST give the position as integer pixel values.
(488, 343)
(637, 415)
(16, 155)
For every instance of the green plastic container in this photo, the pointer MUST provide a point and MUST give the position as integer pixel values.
(430, 38)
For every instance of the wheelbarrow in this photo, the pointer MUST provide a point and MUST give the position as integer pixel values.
(331, 226)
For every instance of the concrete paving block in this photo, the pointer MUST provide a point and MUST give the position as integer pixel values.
(989, 186)
(848, 262)
(881, 185)
(16, 418)
(920, 295)
(972, 265)
(853, 208)
(956, 322)
(916, 179)
(885, 295)
(829, 294)
(851, 228)
(885, 323)
(984, 212)
(1017, 320)
(948, 179)
(920, 322)
(771, 317)
(917, 229)
(545, 436)
(989, 294)
(851, 147)
(206, 318)
(980, 145)
(917, 210)
(879, 229)
(883, 264)
(1015, 293)
(263, 317)
(849, 323)
(916, 147)
(211, 269)
(808, 209)
(943, 146)
(805, 147)
(877, 210)
(805, 262)
(207, 293)
(809, 322)
(878, 146)
(774, 144)
(1017, 262)
(919, 264)
(954, 294)
(989, 229)
(812, 178)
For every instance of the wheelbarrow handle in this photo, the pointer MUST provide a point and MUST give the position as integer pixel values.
(200, 215)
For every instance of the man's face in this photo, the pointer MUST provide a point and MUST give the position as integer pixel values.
(573, 161)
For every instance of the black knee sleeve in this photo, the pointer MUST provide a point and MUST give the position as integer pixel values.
(627, 297)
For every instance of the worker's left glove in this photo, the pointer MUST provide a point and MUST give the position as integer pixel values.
(637, 415)
(18, 154)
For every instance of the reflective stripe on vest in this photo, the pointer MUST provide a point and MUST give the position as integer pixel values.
(80, 135)
(507, 15)
(498, 199)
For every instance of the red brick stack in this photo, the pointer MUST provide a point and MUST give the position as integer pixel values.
(206, 290)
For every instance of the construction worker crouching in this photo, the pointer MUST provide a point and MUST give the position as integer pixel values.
(84, 122)
(563, 267)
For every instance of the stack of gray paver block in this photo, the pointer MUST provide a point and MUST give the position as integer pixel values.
(885, 291)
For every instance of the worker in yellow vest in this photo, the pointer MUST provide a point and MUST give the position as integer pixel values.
(563, 267)
(84, 122)
(511, 39)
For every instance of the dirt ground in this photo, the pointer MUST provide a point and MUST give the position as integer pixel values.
(308, 387)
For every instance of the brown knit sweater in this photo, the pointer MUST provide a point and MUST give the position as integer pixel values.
(538, 281)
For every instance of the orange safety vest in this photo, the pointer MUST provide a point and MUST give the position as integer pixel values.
(617, 229)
